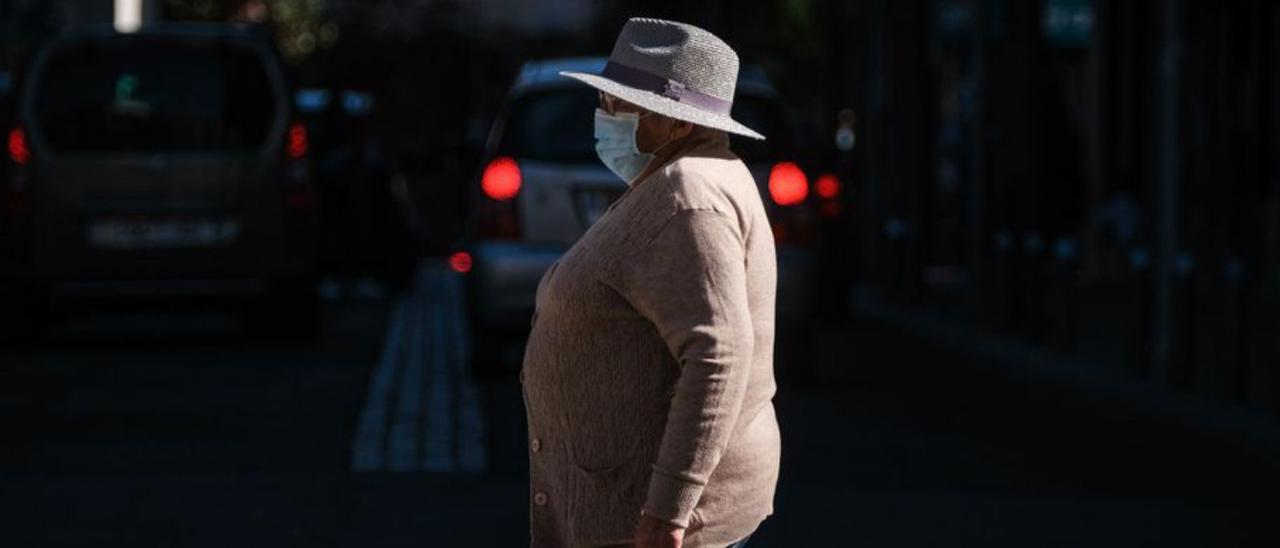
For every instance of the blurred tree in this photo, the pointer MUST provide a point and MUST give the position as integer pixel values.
(301, 27)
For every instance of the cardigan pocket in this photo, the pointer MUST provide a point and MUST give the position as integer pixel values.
(606, 503)
(601, 454)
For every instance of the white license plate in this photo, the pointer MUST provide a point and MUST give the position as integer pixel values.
(152, 234)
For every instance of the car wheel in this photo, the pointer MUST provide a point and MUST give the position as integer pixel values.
(486, 354)
(290, 313)
(26, 315)
(492, 355)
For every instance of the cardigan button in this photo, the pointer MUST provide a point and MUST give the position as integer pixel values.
(535, 445)
(540, 499)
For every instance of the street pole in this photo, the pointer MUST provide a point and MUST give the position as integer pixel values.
(977, 157)
(128, 15)
(873, 216)
(1166, 195)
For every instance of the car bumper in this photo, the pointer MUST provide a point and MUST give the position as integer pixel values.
(504, 280)
(795, 287)
(162, 288)
(69, 268)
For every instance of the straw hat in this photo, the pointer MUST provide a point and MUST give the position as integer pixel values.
(673, 69)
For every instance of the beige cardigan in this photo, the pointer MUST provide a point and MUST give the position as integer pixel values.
(648, 376)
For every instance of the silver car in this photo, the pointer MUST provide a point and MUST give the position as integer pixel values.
(161, 163)
(541, 186)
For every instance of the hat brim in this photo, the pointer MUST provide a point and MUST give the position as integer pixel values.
(662, 105)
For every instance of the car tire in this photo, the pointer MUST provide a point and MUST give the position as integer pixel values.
(490, 355)
(289, 313)
(486, 355)
(26, 315)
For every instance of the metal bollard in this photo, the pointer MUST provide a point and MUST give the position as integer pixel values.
(1065, 252)
(1032, 286)
(1140, 349)
(1183, 374)
(1003, 246)
(1235, 287)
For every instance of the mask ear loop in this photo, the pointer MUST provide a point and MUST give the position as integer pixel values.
(669, 140)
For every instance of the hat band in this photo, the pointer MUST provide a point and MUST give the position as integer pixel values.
(671, 89)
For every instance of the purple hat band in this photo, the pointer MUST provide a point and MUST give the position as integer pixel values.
(671, 89)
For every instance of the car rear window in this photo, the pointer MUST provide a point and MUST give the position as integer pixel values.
(552, 126)
(153, 94)
(556, 126)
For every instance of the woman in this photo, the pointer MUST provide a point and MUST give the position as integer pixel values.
(648, 377)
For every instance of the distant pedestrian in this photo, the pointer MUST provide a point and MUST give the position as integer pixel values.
(648, 376)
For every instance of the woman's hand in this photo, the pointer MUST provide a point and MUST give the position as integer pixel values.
(655, 533)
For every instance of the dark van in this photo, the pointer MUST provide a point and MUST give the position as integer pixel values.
(162, 163)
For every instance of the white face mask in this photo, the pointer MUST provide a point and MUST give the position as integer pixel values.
(616, 144)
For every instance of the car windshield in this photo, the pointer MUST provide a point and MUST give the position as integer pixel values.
(148, 94)
(556, 126)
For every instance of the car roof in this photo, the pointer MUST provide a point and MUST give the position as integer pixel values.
(175, 30)
(541, 74)
(547, 72)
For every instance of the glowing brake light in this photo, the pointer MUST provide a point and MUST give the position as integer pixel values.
(298, 142)
(460, 262)
(788, 184)
(501, 179)
(18, 150)
(828, 186)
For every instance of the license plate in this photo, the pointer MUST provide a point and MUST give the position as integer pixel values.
(153, 234)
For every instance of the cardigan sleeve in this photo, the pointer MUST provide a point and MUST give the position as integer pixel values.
(690, 282)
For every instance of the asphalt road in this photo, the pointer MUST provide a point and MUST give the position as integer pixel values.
(172, 429)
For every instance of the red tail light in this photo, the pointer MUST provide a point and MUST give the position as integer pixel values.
(460, 262)
(828, 186)
(300, 198)
(298, 142)
(298, 193)
(16, 199)
(501, 179)
(788, 185)
(497, 212)
(19, 152)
